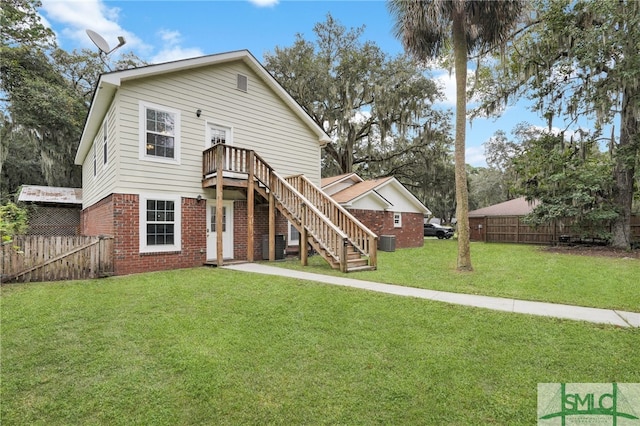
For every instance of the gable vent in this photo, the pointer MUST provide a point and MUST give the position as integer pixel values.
(242, 82)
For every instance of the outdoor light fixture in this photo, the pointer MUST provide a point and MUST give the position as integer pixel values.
(199, 198)
(198, 112)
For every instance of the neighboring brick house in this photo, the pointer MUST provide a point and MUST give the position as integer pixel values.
(172, 152)
(384, 205)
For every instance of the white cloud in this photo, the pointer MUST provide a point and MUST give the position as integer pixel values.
(360, 117)
(447, 82)
(78, 16)
(170, 37)
(577, 134)
(264, 3)
(171, 50)
(474, 155)
(175, 53)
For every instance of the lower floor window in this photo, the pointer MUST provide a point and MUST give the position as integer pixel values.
(159, 235)
(160, 223)
(294, 235)
(397, 220)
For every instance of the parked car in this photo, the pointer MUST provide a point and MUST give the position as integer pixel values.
(435, 230)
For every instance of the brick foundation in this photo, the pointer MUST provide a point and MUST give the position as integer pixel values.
(411, 234)
(260, 228)
(118, 215)
(98, 218)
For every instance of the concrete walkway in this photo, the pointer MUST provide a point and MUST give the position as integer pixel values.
(579, 313)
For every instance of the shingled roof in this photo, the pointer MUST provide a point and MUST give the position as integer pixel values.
(516, 207)
(359, 189)
(387, 192)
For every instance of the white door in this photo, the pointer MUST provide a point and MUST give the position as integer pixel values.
(227, 230)
(220, 134)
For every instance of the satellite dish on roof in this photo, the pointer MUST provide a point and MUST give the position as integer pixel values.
(102, 44)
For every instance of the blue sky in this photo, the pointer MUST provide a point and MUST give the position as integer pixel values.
(159, 31)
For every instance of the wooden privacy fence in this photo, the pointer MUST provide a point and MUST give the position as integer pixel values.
(30, 258)
(511, 229)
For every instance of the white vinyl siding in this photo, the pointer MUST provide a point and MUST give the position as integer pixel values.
(95, 189)
(370, 202)
(259, 118)
(399, 199)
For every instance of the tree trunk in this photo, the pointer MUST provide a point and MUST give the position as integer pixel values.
(462, 195)
(624, 172)
(342, 157)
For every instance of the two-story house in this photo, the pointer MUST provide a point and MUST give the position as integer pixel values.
(201, 160)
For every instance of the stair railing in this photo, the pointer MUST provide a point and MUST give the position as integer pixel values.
(362, 238)
(302, 211)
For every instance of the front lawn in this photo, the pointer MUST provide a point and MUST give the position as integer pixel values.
(210, 346)
(505, 270)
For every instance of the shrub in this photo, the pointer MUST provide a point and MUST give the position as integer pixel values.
(13, 221)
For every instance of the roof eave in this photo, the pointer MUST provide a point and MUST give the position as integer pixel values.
(345, 177)
(100, 104)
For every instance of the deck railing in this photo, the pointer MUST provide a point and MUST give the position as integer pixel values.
(236, 161)
(362, 238)
(327, 235)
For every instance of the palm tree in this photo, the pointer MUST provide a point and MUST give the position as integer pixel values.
(426, 28)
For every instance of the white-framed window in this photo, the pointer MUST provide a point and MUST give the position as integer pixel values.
(159, 133)
(105, 141)
(294, 236)
(218, 133)
(397, 220)
(160, 223)
(214, 220)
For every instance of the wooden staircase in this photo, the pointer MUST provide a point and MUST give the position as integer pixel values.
(343, 241)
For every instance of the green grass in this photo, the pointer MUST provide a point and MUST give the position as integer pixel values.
(505, 270)
(208, 346)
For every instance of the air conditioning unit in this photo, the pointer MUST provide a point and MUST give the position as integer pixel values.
(387, 243)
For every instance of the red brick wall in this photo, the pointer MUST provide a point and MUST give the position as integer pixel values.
(125, 218)
(411, 234)
(240, 230)
(98, 218)
(260, 228)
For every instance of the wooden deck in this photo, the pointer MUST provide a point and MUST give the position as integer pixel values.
(343, 241)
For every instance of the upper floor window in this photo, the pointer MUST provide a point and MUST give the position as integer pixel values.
(104, 142)
(159, 133)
